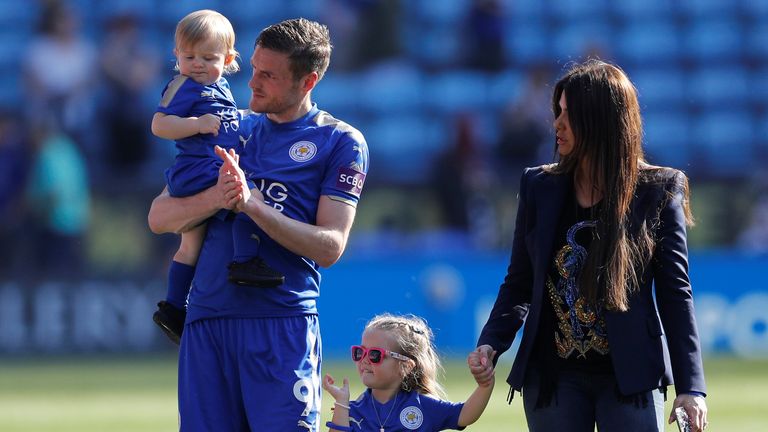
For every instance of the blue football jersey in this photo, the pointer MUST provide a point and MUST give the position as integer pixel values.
(293, 164)
(411, 411)
(196, 165)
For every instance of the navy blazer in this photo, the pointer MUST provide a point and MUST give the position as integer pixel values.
(657, 338)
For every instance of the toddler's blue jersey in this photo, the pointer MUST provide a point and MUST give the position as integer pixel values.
(293, 164)
(196, 166)
(411, 411)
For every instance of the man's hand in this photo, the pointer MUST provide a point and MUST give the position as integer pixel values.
(232, 179)
(208, 124)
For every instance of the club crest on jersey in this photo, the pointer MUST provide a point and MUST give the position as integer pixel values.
(303, 151)
(411, 417)
(206, 94)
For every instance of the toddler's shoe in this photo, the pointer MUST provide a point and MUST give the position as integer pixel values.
(254, 272)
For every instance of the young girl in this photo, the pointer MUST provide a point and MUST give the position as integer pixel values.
(398, 363)
(198, 111)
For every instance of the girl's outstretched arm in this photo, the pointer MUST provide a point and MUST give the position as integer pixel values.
(341, 403)
(478, 400)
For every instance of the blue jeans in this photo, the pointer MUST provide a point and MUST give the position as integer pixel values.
(584, 400)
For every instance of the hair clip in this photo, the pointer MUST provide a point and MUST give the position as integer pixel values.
(415, 330)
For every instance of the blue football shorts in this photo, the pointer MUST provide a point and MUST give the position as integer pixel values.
(250, 374)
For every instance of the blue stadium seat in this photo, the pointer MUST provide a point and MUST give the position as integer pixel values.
(11, 89)
(659, 87)
(438, 11)
(701, 8)
(15, 14)
(755, 8)
(338, 92)
(404, 145)
(758, 88)
(250, 16)
(504, 87)
(437, 47)
(573, 41)
(641, 9)
(718, 86)
(761, 143)
(727, 138)
(713, 39)
(457, 90)
(310, 9)
(13, 45)
(756, 41)
(141, 8)
(238, 83)
(648, 42)
(577, 9)
(667, 137)
(526, 41)
(170, 12)
(523, 9)
(390, 89)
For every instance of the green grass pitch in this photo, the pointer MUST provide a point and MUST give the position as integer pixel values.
(122, 394)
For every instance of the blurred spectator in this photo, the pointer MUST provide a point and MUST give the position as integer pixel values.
(526, 136)
(129, 65)
(14, 170)
(59, 69)
(342, 21)
(485, 23)
(461, 182)
(59, 201)
(378, 31)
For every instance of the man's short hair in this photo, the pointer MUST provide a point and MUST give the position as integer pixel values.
(307, 43)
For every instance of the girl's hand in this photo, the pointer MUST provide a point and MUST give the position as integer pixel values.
(340, 394)
(480, 362)
(208, 124)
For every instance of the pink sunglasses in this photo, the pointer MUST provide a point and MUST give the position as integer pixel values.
(375, 355)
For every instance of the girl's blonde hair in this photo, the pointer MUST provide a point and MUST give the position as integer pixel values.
(204, 25)
(413, 338)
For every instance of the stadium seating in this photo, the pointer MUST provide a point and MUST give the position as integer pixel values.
(700, 65)
(667, 134)
(631, 10)
(713, 40)
(648, 42)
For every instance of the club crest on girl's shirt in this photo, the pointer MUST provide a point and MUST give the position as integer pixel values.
(411, 417)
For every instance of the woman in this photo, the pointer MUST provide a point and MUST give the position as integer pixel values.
(594, 234)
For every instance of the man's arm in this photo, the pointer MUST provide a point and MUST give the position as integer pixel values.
(323, 243)
(176, 215)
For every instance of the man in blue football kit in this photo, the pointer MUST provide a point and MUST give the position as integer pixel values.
(250, 359)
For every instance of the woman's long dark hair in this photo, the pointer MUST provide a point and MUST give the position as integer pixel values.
(604, 115)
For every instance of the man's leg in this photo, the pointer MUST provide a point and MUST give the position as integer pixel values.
(280, 373)
(210, 396)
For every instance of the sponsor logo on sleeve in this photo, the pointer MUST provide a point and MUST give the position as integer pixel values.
(350, 181)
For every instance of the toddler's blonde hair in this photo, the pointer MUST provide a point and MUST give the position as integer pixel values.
(206, 24)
